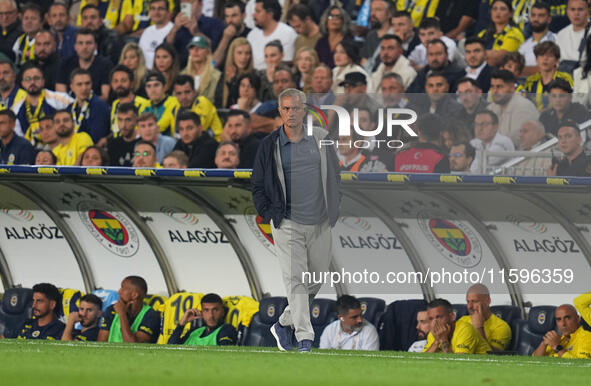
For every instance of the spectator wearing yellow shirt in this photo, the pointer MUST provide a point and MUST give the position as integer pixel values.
(502, 36)
(572, 342)
(450, 336)
(190, 99)
(492, 328)
(164, 107)
(583, 305)
(72, 144)
(547, 57)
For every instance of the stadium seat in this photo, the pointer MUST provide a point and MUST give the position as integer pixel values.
(460, 310)
(322, 313)
(372, 309)
(156, 302)
(15, 308)
(516, 333)
(239, 313)
(258, 333)
(397, 326)
(107, 296)
(70, 302)
(173, 310)
(539, 321)
(508, 313)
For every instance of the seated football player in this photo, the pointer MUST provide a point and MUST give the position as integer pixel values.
(213, 332)
(572, 340)
(88, 314)
(449, 335)
(130, 320)
(45, 324)
(492, 328)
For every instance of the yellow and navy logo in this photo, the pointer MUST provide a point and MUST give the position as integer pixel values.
(110, 227)
(453, 239)
(542, 317)
(315, 312)
(265, 229)
(13, 300)
(450, 236)
(271, 311)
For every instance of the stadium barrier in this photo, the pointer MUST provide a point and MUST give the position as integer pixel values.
(526, 238)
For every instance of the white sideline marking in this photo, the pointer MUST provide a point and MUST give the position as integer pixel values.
(405, 358)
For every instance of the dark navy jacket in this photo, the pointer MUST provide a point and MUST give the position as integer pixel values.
(267, 188)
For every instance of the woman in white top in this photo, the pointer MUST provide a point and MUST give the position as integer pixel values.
(582, 78)
(346, 60)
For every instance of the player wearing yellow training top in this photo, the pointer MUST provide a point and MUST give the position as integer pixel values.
(450, 336)
(572, 342)
(583, 305)
(492, 328)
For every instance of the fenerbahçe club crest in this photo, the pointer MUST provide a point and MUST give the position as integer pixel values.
(113, 230)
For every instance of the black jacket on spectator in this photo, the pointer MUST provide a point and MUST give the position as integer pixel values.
(201, 152)
(7, 40)
(120, 151)
(50, 67)
(451, 72)
(99, 69)
(580, 167)
(109, 44)
(248, 149)
(18, 151)
(415, 41)
(483, 79)
(446, 107)
(468, 118)
(450, 12)
(576, 112)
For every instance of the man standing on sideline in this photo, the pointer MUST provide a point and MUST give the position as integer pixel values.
(295, 184)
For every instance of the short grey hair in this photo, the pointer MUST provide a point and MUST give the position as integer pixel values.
(291, 92)
(537, 124)
(393, 75)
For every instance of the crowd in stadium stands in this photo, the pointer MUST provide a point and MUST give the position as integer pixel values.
(140, 82)
(131, 319)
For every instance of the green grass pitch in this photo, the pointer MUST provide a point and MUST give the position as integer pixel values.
(87, 364)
